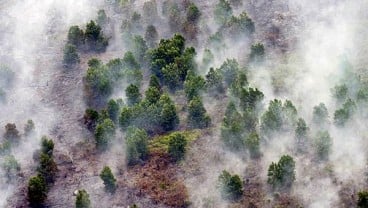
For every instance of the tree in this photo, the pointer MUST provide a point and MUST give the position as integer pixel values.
(282, 174)
(108, 179)
(104, 133)
(222, 12)
(10, 167)
(151, 36)
(193, 13)
(113, 109)
(177, 145)
(232, 128)
(344, 114)
(152, 95)
(320, 115)
(133, 94)
(208, 58)
(47, 168)
(75, 36)
(82, 200)
(240, 82)
(29, 128)
(231, 186)
(139, 48)
(340, 93)
(362, 199)
(71, 56)
(271, 120)
(239, 26)
(37, 191)
(101, 17)
(47, 146)
(154, 82)
(322, 144)
(11, 133)
(90, 119)
(193, 85)
(169, 117)
(197, 116)
(229, 70)
(253, 145)
(94, 37)
(301, 135)
(250, 98)
(257, 52)
(136, 145)
(214, 82)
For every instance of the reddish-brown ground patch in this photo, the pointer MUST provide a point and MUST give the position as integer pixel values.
(158, 179)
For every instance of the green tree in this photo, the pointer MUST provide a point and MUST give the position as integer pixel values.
(133, 94)
(29, 128)
(222, 12)
(250, 98)
(253, 145)
(177, 145)
(101, 17)
(104, 133)
(98, 82)
(301, 135)
(197, 116)
(154, 82)
(232, 128)
(76, 36)
(271, 120)
(231, 186)
(94, 37)
(152, 95)
(343, 115)
(340, 93)
(257, 52)
(37, 191)
(108, 179)
(47, 168)
(169, 117)
(11, 133)
(10, 167)
(151, 36)
(320, 115)
(193, 85)
(193, 13)
(136, 145)
(362, 199)
(82, 200)
(139, 48)
(282, 174)
(208, 57)
(47, 146)
(90, 119)
(229, 70)
(71, 56)
(323, 144)
(238, 26)
(113, 109)
(214, 83)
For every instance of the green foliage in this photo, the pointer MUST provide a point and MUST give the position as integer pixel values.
(113, 109)
(232, 128)
(197, 116)
(108, 179)
(343, 115)
(133, 94)
(240, 82)
(169, 118)
(322, 144)
(47, 146)
(98, 81)
(11, 133)
(152, 95)
(214, 82)
(231, 186)
(10, 167)
(82, 200)
(154, 82)
(193, 13)
(257, 52)
(104, 133)
(75, 36)
(47, 168)
(241, 25)
(193, 85)
(301, 135)
(278, 117)
(250, 99)
(139, 48)
(5, 148)
(71, 56)
(29, 128)
(208, 57)
(37, 191)
(282, 174)
(222, 12)
(253, 145)
(136, 145)
(229, 70)
(177, 145)
(362, 199)
(320, 115)
(94, 37)
(340, 92)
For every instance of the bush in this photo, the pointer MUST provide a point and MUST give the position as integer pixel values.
(90, 119)
(29, 128)
(257, 52)
(37, 191)
(82, 200)
(108, 179)
(253, 145)
(75, 36)
(11, 133)
(47, 168)
(231, 186)
(47, 146)
(177, 145)
(71, 56)
(282, 174)
(193, 13)
(10, 166)
(136, 145)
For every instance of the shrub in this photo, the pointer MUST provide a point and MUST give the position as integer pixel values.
(82, 200)
(108, 179)
(177, 145)
(282, 174)
(37, 191)
(231, 186)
